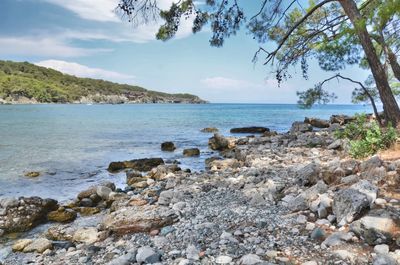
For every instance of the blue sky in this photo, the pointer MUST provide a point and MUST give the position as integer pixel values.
(86, 38)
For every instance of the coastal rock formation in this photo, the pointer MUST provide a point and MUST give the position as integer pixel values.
(191, 152)
(317, 123)
(168, 146)
(220, 143)
(17, 215)
(301, 127)
(270, 199)
(144, 164)
(250, 130)
(209, 130)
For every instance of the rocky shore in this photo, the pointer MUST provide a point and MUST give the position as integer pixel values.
(291, 198)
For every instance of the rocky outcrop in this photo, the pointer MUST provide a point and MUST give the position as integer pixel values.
(17, 215)
(144, 164)
(220, 143)
(249, 130)
(317, 123)
(300, 127)
(168, 146)
(209, 130)
(191, 152)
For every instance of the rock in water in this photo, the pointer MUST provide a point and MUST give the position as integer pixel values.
(144, 164)
(168, 146)
(348, 205)
(191, 152)
(209, 130)
(250, 130)
(219, 142)
(32, 174)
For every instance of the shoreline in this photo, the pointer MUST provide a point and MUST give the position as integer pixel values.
(275, 197)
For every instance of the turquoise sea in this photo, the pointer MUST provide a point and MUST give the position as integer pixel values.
(73, 144)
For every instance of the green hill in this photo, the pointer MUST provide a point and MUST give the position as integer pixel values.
(21, 82)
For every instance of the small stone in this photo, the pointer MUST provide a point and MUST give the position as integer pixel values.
(192, 253)
(154, 232)
(250, 259)
(311, 262)
(147, 255)
(223, 260)
(381, 249)
(271, 254)
(32, 174)
(318, 234)
(380, 201)
(301, 219)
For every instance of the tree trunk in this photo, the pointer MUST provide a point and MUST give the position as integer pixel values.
(390, 107)
(393, 63)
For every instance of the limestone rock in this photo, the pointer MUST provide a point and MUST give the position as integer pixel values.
(249, 130)
(62, 215)
(144, 164)
(348, 205)
(191, 152)
(39, 245)
(139, 219)
(168, 146)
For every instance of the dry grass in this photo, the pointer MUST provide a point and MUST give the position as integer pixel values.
(391, 154)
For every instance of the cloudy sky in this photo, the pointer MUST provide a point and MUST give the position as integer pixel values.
(86, 38)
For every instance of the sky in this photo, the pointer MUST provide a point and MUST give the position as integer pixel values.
(86, 38)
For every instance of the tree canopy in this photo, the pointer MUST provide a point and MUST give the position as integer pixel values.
(335, 32)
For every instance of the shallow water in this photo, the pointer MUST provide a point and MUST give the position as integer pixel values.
(73, 144)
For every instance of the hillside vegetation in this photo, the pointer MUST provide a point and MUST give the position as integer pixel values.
(39, 84)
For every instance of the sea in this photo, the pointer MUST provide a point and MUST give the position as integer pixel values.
(72, 145)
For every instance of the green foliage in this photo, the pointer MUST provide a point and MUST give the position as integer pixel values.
(367, 138)
(47, 85)
(314, 95)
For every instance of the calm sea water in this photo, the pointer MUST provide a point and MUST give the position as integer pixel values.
(73, 144)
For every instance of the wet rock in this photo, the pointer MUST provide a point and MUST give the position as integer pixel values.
(378, 226)
(28, 213)
(92, 191)
(249, 130)
(147, 255)
(191, 152)
(209, 130)
(103, 192)
(300, 127)
(86, 202)
(317, 123)
(144, 164)
(139, 219)
(62, 215)
(168, 146)
(348, 205)
(32, 174)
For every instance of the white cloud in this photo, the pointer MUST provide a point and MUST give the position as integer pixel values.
(98, 10)
(44, 46)
(85, 71)
(228, 83)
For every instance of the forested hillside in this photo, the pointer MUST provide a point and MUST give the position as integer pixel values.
(25, 80)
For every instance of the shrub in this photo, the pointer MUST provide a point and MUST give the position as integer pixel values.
(367, 138)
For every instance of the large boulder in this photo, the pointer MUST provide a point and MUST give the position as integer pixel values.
(378, 226)
(317, 123)
(348, 205)
(303, 200)
(24, 213)
(138, 219)
(308, 175)
(144, 164)
(220, 143)
(300, 127)
(250, 130)
(168, 146)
